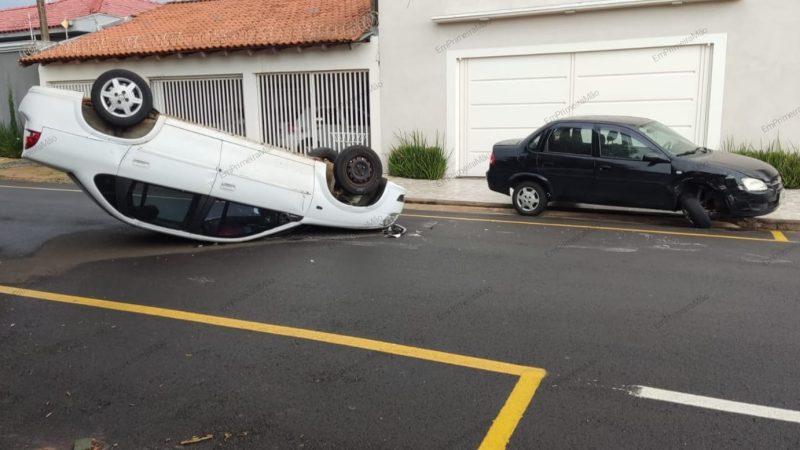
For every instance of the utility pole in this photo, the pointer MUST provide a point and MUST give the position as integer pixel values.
(43, 20)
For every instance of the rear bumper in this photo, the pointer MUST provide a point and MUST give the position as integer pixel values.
(749, 204)
(496, 183)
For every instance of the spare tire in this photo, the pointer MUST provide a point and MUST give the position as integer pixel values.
(324, 153)
(121, 98)
(358, 170)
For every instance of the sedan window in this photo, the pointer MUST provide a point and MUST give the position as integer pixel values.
(159, 205)
(573, 140)
(616, 143)
(234, 220)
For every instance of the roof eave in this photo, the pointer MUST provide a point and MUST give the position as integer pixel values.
(27, 61)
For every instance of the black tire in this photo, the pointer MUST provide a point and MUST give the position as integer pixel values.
(121, 98)
(529, 198)
(697, 215)
(358, 170)
(324, 153)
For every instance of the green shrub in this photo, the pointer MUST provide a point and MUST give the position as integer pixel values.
(784, 157)
(11, 132)
(414, 157)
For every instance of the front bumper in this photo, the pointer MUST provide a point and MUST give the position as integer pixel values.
(753, 204)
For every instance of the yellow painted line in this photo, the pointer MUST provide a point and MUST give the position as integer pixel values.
(499, 433)
(593, 227)
(506, 422)
(779, 236)
(279, 330)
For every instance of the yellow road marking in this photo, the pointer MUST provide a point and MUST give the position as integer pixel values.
(506, 422)
(500, 431)
(593, 227)
(779, 236)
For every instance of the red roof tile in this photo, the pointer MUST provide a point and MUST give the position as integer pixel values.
(16, 19)
(213, 25)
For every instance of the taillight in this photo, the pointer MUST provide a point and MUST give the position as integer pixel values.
(492, 160)
(32, 138)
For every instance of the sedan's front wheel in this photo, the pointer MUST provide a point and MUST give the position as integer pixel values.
(695, 211)
(529, 198)
(358, 170)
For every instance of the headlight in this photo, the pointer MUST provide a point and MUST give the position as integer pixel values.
(754, 185)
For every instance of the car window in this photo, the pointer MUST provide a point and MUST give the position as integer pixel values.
(668, 139)
(227, 219)
(533, 145)
(573, 140)
(159, 205)
(617, 143)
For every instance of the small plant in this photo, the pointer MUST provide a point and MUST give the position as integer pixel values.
(785, 157)
(10, 132)
(415, 157)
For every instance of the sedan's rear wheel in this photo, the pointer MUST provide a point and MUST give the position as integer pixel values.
(529, 198)
(121, 98)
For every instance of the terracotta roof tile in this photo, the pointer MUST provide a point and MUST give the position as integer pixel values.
(212, 25)
(16, 19)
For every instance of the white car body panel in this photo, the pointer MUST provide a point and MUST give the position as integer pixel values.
(175, 150)
(199, 160)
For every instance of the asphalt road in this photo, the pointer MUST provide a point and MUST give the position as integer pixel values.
(599, 306)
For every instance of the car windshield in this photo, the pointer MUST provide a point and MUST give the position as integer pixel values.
(668, 139)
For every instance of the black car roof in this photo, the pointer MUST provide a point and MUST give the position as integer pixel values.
(613, 120)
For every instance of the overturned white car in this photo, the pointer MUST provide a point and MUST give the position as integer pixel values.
(163, 174)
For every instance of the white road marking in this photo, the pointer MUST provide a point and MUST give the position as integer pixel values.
(603, 249)
(699, 401)
(39, 188)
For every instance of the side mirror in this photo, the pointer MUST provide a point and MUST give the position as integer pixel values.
(655, 158)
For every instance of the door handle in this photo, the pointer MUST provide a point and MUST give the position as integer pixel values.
(228, 186)
(141, 163)
(604, 167)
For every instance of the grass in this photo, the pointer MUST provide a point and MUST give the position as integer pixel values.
(414, 157)
(11, 132)
(783, 156)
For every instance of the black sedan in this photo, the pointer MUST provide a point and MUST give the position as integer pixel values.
(633, 162)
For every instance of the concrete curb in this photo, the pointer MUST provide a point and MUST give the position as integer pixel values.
(422, 201)
(747, 224)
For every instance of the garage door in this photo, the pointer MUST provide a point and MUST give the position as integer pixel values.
(510, 96)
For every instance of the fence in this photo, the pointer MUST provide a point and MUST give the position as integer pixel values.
(216, 102)
(305, 110)
(298, 110)
(80, 86)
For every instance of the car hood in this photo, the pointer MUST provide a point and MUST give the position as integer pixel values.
(750, 167)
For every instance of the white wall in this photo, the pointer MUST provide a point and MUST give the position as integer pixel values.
(359, 56)
(761, 67)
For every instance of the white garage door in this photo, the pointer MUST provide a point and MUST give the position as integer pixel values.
(510, 96)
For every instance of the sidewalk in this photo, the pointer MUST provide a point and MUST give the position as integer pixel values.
(13, 169)
(474, 192)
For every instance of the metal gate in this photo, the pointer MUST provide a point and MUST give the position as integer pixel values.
(305, 110)
(216, 102)
(79, 86)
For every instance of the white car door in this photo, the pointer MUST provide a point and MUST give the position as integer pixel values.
(181, 156)
(268, 178)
